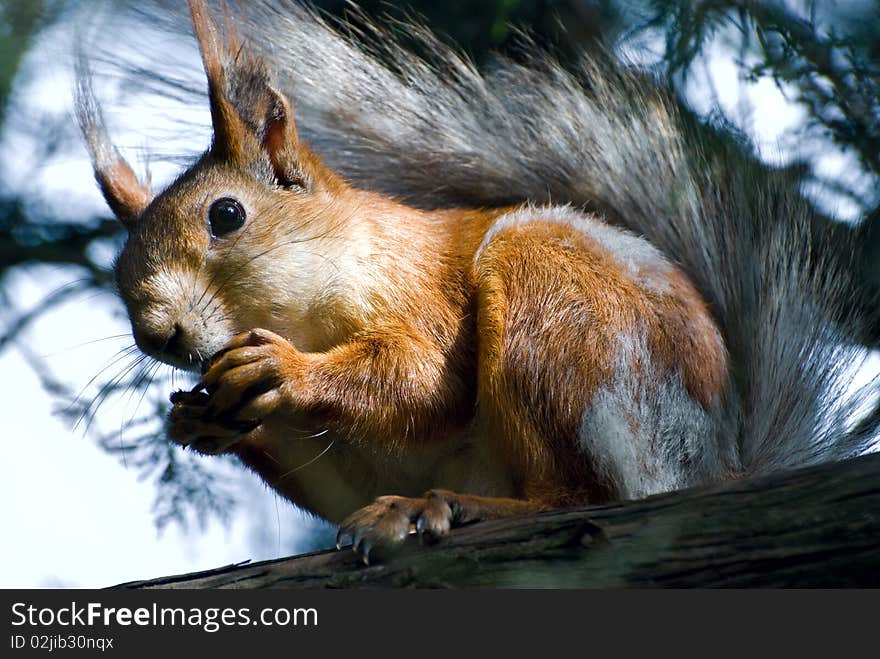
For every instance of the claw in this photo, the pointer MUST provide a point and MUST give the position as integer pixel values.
(193, 397)
(356, 540)
(366, 546)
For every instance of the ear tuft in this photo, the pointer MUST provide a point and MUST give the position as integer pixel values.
(226, 123)
(251, 118)
(125, 195)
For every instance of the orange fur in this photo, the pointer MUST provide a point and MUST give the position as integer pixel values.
(432, 352)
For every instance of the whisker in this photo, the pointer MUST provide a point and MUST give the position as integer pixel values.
(137, 366)
(87, 281)
(265, 252)
(114, 337)
(277, 524)
(151, 374)
(332, 230)
(146, 375)
(210, 282)
(313, 460)
(92, 408)
(121, 354)
(308, 433)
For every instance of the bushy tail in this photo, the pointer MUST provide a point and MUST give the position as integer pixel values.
(431, 129)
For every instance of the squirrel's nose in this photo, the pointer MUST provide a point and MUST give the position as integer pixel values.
(159, 342)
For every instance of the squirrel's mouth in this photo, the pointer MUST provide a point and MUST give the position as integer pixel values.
(179, 344)
(188, 363)
(173, 352)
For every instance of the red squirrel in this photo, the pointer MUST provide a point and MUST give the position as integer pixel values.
(478, 310)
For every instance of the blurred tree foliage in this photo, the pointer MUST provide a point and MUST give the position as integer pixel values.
(825, 54)
(18, 22)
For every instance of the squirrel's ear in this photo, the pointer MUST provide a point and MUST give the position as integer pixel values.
(229, 130)
(249, 116)
(280, 140)
(125, 195)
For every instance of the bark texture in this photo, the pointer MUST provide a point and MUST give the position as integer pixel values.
(811, 527)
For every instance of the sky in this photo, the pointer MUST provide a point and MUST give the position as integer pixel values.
(73, 515)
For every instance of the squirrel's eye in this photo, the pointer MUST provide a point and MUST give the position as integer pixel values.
(225, 215)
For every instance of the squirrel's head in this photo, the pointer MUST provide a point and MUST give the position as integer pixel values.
(241, 239)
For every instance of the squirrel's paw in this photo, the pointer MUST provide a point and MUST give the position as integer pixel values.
(248, 379)
(190, 426)
(387, 521)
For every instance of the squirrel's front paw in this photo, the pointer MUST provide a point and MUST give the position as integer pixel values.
(190, 425)
(251, 377)
(244, 383)
(387, 521)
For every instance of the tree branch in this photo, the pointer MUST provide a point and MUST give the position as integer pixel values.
(818, 526)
